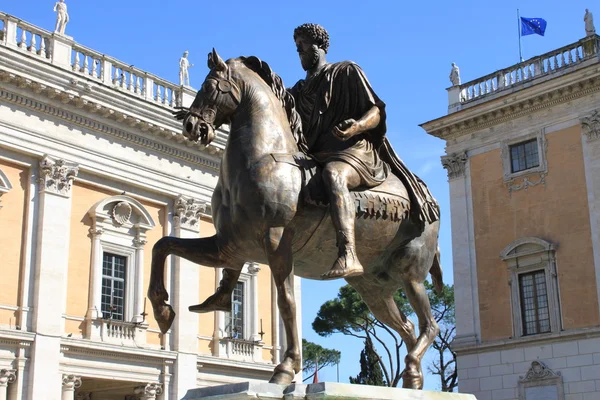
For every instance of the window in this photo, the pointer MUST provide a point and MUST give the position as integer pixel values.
(533, 283)
(534, 303)
(113, 286)
(524, 156)
(234, 321)
(118, 235)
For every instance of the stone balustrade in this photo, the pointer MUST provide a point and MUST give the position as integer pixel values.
(527, 71)
(25, 36)
(63, 52)
(122, 333)
(242, 350)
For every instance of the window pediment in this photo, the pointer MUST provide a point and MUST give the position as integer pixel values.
(526, 246)
(121, 213)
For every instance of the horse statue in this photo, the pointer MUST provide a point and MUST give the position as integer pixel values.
(262, 211)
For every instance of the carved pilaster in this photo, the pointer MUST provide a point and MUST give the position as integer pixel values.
(455, 164)
(148, 391)
(94, 232)
(7, 376)
(591, 126)
(139, 242)
(71, 382)
(253, 268)
(56, 176)
(188, 211)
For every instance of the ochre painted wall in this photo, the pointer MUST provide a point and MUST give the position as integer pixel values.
(206, 321)
(159, 214)
(557, 212)
(83, 197)
(13, 222)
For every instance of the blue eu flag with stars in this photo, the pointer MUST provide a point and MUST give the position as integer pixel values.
(529, 26)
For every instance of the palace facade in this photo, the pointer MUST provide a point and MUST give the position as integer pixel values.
(523, 161)
(93, 171)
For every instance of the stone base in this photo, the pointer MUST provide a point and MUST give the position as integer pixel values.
(323, 390)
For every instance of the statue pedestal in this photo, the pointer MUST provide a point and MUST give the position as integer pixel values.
(323, 390)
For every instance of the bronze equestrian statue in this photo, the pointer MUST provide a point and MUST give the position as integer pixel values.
(301, 168)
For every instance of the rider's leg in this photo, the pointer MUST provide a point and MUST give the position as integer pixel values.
(221, 299)
(339, 178)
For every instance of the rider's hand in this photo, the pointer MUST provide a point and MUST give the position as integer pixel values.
(346, 129)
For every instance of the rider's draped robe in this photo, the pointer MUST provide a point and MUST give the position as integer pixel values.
(339, 92)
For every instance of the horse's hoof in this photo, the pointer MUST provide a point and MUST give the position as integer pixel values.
(282, 377)
(164, 316)
(213, 303)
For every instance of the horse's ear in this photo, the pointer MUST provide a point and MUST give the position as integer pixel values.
(216, 62)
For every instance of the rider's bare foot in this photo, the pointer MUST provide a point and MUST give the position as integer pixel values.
(345, 266)
(220, 301)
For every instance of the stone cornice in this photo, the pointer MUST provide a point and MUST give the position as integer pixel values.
(144, 126)
(87, 347)
(533, 340)
(205, 361)
(509, 107)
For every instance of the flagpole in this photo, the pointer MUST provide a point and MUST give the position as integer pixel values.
(519, 32)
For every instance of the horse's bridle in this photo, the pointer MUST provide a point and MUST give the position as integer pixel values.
(224, 86)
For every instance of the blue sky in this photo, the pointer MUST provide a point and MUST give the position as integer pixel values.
(405, 48)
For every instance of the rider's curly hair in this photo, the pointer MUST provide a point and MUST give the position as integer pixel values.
(316, 32)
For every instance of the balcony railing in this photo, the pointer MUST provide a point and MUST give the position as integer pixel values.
(122, 333)
(242, 350)
(530, 70)
(91, 64)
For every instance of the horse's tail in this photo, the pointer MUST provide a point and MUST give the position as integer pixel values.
(436, 273)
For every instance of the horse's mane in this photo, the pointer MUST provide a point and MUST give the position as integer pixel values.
(287, 100)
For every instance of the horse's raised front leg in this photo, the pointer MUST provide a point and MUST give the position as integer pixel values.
(203, 251)
(278, 245)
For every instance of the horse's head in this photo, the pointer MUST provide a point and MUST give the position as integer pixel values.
(214, 104)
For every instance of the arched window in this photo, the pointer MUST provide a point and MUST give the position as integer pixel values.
(5, 185)
(534, 286)
(119, 226)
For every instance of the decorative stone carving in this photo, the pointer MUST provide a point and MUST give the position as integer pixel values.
(541, 382)
(591, 126)
(525, 183)
(7, 376)
(455, 164)
(187, 212)
(57, 176)
(253, 268)
(95, 231)
(70, 382)
(539, 370)
(121, 212)
(139, 242)
(148, 391)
